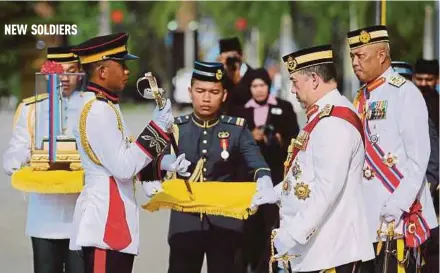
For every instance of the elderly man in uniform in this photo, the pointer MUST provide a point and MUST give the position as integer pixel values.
(49, 216)
(106, 216)
(395, 122)
(215, 145)
(322, 216)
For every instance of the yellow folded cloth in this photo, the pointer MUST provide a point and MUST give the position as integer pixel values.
(229, 199)
(51, 182)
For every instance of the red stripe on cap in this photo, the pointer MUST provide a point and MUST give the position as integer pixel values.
(95, 46)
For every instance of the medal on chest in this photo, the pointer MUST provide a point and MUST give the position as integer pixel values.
(368, 173)
(302, 191)
(296, 170)
(390, 160)
(377, 110)
(286, 187)
(224, 144)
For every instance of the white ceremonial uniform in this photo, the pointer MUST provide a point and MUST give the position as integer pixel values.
(49, 216)
(329, 225)
(106, 214)
(404, 133)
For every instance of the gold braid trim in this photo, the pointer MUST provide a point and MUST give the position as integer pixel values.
(83, 133)
(17, 115)
(31, 124)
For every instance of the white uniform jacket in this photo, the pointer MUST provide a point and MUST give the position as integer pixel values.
(49, 216)
(322, 208)
(106, 214)
(398, 122)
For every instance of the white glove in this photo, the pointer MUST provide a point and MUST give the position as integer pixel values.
(264, 196)
(264, 182)
(152, 187)
(171, 164)
(164, 118)
(11, 165)
(391, 212)
(283, 242)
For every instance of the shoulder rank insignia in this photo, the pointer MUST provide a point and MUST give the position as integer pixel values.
(181, 119)
(326, 111)
(36, 98)
(233, 120)
(396, 80)
(302, 191)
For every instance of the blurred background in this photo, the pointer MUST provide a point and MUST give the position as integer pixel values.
(169, 36)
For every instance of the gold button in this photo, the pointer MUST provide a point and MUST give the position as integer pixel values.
(204, 159)
(204, 151)
(204, 169)
(204, 141)
(205, 132)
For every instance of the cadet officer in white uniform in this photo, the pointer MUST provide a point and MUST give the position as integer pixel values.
(395, 123)
(49, 216)
(106, 219)
(322, 216)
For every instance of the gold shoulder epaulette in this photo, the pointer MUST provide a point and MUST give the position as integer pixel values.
(326, 111)
(233, 120)
(396, 80)
(36, 98)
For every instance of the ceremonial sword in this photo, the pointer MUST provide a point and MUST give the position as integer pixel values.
(156, 93)
(389, 237)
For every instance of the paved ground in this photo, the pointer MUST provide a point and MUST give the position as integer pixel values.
(15, 250)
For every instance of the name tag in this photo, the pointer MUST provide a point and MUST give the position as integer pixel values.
(377, 110)
(276, 111)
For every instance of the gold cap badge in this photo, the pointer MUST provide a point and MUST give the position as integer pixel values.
(364, 37)
(291, 63)
(219, 74)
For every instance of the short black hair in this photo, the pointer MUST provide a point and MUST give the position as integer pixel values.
(326, 71)
(90, 68)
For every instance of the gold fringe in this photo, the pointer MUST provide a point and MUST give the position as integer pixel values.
(241, 215)
(49, 182)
